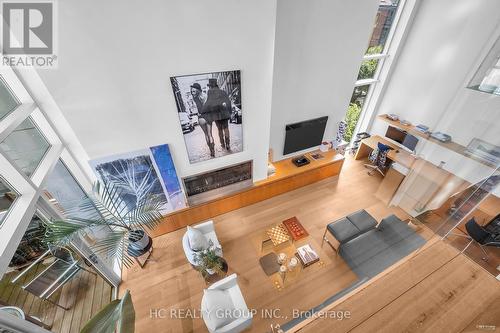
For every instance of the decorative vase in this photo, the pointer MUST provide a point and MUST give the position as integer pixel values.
(324, 147)
(292, 263)
(281, 258)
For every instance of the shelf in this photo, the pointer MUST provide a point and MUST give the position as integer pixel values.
(453, 146)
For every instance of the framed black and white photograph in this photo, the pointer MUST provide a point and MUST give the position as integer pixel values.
(210, 113)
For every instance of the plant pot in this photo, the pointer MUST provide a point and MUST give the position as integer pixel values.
(138, 239)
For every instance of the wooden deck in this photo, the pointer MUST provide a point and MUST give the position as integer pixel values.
(85, 294)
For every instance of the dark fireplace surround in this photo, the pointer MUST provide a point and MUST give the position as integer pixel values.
(214, 184)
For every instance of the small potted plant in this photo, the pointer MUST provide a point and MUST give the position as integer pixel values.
(209, 262)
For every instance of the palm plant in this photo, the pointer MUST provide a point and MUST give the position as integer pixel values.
(118, 316)
(109, 222)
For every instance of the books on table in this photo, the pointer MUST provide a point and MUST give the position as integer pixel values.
(307, 255)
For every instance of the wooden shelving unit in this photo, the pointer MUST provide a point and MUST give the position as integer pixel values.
(453, 146)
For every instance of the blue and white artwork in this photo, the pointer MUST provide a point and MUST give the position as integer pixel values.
(166, 168)
(142, 173)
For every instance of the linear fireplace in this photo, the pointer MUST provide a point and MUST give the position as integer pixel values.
(214, 184)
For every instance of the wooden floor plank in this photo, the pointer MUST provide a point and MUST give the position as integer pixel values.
(72, 294)
(447, 301)
(96, 298)
(89, 294)
(78, 308)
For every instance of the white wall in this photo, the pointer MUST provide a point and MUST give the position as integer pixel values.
(319, 47)
(443, 49)
(116, 58)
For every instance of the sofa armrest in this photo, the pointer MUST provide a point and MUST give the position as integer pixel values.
(226, 283)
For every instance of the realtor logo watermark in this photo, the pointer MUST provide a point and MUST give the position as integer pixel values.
(28, 34)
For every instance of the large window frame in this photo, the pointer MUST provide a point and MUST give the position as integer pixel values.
(386, 59)
(29, 90)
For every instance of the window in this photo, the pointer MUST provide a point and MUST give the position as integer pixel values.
(7, 100)
(354, 109)
(7, 198)
(31, 245)
(64, 192)
(375, 55)
(25, 146)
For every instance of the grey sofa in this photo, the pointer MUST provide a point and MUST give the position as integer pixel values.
(369, 248)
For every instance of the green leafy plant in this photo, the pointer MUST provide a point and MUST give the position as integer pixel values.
(209, 261)
(351, 119)
(110, 224)
(118, 316)
(368, 67)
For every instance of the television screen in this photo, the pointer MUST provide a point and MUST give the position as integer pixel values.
(395, 134)
(305, 134)
(410, 142)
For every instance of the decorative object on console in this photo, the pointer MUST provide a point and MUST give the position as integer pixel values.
(484, 150)
(143, 173)
(405, 122)
(341, 148)
(317, 156)
(300, 161)
(213, 184)
(208, 103)
(307, 255)
(324, 146)
(441, 137)
(295, 228)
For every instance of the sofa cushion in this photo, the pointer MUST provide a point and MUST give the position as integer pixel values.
(343, 230)
(362, 220)
(197, 241)
(219, 308)
(377, 249)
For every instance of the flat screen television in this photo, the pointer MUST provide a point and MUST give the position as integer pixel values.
(407, 140)
(305, 134)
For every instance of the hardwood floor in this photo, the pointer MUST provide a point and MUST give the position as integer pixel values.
(85, 294)
(169, 282)
(438, 290)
